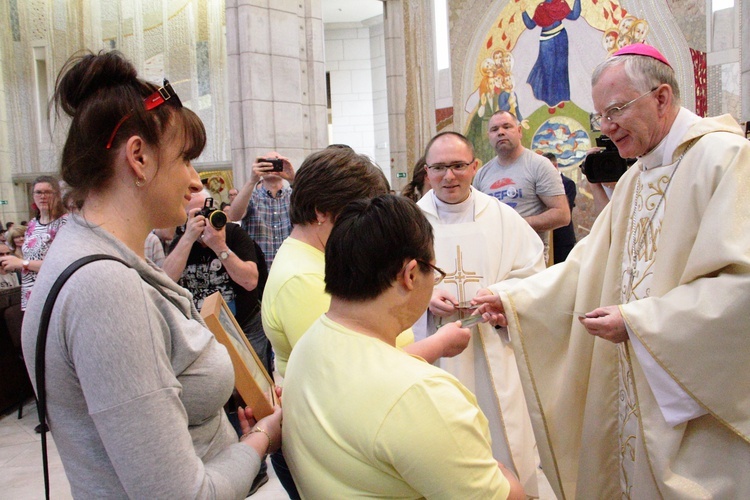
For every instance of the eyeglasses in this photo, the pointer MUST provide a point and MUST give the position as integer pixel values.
(3, 254)
(439, 274)
(615, 112)
(441, 168)
(162, 95)
(44, 193)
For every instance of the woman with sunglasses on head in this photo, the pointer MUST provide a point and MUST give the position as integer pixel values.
(40, 233)
(135, 381)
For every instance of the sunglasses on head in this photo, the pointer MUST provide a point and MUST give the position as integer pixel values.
(163, 94)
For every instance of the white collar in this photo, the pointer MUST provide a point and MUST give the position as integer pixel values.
(662, 153)
(455, 212)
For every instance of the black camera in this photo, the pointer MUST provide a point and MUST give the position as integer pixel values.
(278, 163)
(607, 165)
(214, 216)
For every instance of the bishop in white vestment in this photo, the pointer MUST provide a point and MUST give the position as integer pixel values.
(645, 391)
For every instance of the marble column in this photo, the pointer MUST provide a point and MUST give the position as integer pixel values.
(276, 80)
(420, 78)
(393, 20)
(745, 59)
(6, 154)
(410, 71)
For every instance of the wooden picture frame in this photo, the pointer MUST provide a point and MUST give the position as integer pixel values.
(251, 379)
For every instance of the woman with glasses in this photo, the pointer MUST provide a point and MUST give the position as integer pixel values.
(40, 233)
(135, 381)
(365, 419)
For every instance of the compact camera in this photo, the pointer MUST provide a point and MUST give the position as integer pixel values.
(278, 163)
(214, 216)
(607, 165)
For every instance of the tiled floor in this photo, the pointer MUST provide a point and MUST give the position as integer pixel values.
(21, 463)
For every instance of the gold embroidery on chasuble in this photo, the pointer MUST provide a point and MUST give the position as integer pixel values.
(649, 205)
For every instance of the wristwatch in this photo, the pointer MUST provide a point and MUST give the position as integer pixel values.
(25, 265)
(225, 255)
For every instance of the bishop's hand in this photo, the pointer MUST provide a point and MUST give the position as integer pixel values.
(490, 307)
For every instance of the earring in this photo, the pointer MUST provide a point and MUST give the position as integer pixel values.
(320, 223)
(140, 182)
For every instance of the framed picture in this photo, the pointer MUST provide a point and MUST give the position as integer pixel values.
(252, 380)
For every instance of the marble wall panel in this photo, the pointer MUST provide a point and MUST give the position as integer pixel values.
(254, 25)
(262, 130)
(287, 119)
(334, 50)
(283, 37)
(290, 6)
(286, 79)
(257, 79)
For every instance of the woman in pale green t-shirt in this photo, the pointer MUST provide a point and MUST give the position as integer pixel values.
(363, 418)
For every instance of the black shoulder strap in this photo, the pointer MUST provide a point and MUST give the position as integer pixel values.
(41, 344)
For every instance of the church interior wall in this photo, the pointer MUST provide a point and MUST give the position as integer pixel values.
(745, 58)
(275, 58)
(501, 60)
(182, 40)
(381, 131)
(186, 40)
(355, 63)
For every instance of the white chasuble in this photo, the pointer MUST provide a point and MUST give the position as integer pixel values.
(688, 306)
(497, 245)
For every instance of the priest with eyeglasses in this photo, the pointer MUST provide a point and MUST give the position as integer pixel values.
(480, 241)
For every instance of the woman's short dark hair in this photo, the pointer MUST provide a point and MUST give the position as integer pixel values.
(370, 243)
(329, 179)
(98, 91)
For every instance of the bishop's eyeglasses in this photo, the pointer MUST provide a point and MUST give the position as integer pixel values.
(615, 112)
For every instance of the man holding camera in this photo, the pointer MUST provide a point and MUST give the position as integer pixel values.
(634, 351)
(263, 203)
(523, 179)
(205, 260)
